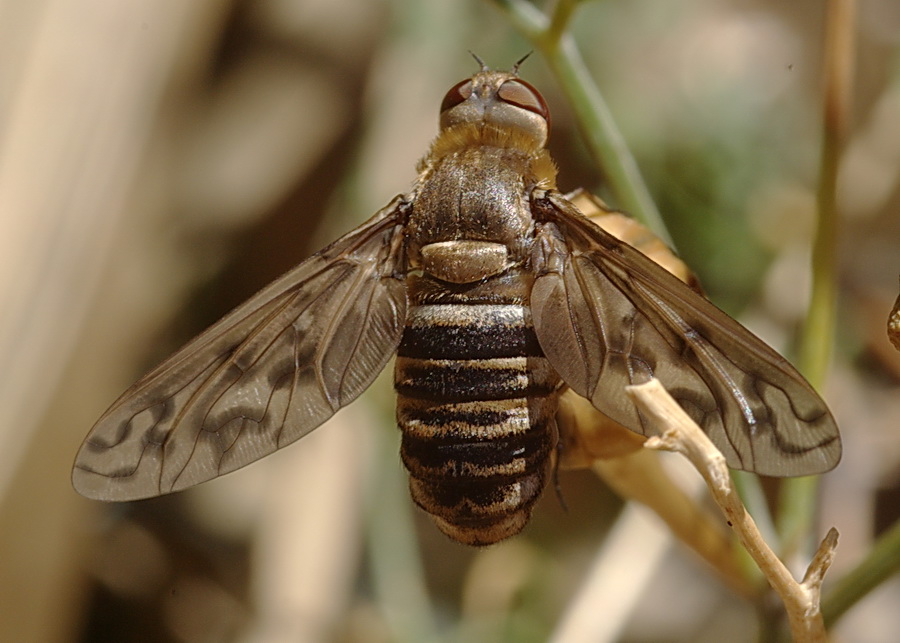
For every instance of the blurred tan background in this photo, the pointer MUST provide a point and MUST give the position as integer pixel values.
(161, 160)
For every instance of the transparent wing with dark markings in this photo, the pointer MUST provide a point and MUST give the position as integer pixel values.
(266, 374)
(606, 317)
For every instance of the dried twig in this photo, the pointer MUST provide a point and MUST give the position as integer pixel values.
(680, 433)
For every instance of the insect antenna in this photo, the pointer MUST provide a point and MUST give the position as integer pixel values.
(478, 59)
(515, 68)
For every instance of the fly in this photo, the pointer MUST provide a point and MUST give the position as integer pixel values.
(496, 294)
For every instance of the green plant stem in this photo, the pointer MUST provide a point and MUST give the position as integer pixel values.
(797, 504)
(818, 335)
(604, 141)
(882, 561)
(559, 19)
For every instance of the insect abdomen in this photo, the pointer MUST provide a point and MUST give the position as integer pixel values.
(476, 404)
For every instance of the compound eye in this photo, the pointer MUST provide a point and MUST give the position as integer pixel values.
(457, 94)
(521, 94)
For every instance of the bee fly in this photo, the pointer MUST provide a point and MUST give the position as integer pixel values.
(496, 294)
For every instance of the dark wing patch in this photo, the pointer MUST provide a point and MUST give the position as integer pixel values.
(606, 316)
(266, 374)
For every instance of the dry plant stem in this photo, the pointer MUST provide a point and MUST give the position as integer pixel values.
(618, 456)
(681, 434)
(615, 581)
(640, 477)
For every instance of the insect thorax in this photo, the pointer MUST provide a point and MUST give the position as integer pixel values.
(475, 185)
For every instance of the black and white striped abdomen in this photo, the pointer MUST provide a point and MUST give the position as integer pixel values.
(476, 404)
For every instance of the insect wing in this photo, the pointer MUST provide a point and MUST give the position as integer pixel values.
(266, 374)
(606, 316)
